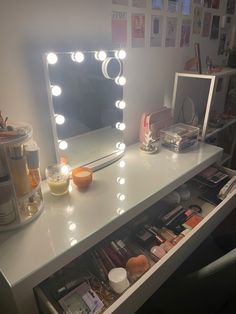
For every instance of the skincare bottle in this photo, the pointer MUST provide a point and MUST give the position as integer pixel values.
(4, 173)
(19, 170)
(32, 158)
(7, 209)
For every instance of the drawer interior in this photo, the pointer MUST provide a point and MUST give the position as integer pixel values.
(85, 268)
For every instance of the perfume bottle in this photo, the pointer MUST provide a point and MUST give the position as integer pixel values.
(32, 158)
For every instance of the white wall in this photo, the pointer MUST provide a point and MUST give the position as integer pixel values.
(29, 27)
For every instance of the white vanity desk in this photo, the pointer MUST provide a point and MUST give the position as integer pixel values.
(72, 224)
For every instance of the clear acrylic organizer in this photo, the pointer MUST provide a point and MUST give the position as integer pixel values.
(21, 201)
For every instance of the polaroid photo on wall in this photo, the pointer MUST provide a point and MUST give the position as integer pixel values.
(171, 31)
(138, 30)
(222, 41)
(156, 31)
(206, 27)
(230, 8)
(215, 26)
(186, 7)
(139, 3)
(197, 20)
(120, 2)
(157, 4)
(119, 28)
(207, 3)
(173, 6)
(185, 33)
(215, 4)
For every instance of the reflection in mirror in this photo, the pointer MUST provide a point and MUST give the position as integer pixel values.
(86, 104)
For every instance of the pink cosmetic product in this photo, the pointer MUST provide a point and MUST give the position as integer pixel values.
(157, 252)
(165, 244)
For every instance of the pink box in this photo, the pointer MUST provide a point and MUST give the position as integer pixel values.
(155, 122)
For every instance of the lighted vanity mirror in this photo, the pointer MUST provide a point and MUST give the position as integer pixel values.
(86, 104)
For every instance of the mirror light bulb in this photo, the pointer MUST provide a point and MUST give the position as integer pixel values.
(120, 80)
(100, 55)
(65, 169)
(60, 119)
(120, 126)
(77, 56)
(120, 54)
(120, 104)
(122, 164)
(56, 90)
(120, 211)
(121, 180)
(121, 196)
(52, 58)
(63, 145)
(72, 226)
(73, 241)
(121, 146)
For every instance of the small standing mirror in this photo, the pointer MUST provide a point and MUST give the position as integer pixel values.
(86, 103)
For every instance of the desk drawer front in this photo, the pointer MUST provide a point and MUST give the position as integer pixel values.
(145, 286)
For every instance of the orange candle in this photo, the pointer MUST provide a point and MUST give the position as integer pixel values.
(82, 176)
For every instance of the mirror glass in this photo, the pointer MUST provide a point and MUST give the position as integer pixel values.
(86, 103)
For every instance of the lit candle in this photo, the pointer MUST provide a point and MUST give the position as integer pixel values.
(58, 178)
(59, 185)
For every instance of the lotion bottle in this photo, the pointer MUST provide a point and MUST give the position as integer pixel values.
(19, 171)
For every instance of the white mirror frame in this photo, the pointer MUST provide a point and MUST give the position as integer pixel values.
(50, 59)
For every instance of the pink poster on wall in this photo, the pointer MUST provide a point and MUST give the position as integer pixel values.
(185, 33)
(138, 30)
(119, 28)
(206, 24)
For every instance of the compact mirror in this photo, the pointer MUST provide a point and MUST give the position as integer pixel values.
(86, 103)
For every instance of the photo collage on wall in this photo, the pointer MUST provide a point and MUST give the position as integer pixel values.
(169, 20)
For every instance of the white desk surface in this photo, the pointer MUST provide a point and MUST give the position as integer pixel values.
(71, 224)
(88, 147)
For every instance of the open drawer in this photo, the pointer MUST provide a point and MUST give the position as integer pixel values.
(158, 273)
